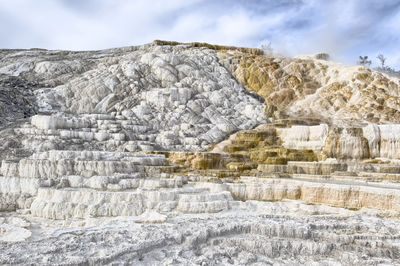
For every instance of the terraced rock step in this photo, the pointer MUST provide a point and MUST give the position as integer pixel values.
(161, 195)
(345, 195)
(21, 180)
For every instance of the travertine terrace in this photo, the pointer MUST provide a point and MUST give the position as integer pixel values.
(196, 154)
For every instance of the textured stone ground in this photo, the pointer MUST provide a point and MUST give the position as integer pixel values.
(196, 154)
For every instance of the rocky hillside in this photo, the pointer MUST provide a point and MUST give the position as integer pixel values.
(233, 156)
(157, 97)
(306, 87)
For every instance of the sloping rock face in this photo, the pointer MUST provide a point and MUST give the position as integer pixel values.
(187, 154)
(165, 98)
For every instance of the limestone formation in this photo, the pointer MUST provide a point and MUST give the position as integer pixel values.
(196, 154)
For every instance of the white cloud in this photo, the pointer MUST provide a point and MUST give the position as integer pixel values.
(344, 28)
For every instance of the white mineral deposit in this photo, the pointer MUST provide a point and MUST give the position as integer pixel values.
(184, 154)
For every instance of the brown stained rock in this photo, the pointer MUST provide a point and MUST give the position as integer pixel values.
(263, 146)
(312, 88)
(346, 143)
(216, 47)
(205, 160)
(240, 166)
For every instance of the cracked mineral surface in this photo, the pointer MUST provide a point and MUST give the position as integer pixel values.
(196, 154)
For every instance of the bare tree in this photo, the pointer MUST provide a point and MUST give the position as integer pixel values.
(267, 47)
(364, 61)
(383, 68)
(382, 59)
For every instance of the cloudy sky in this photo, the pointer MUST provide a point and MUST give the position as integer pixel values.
(343, 28)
